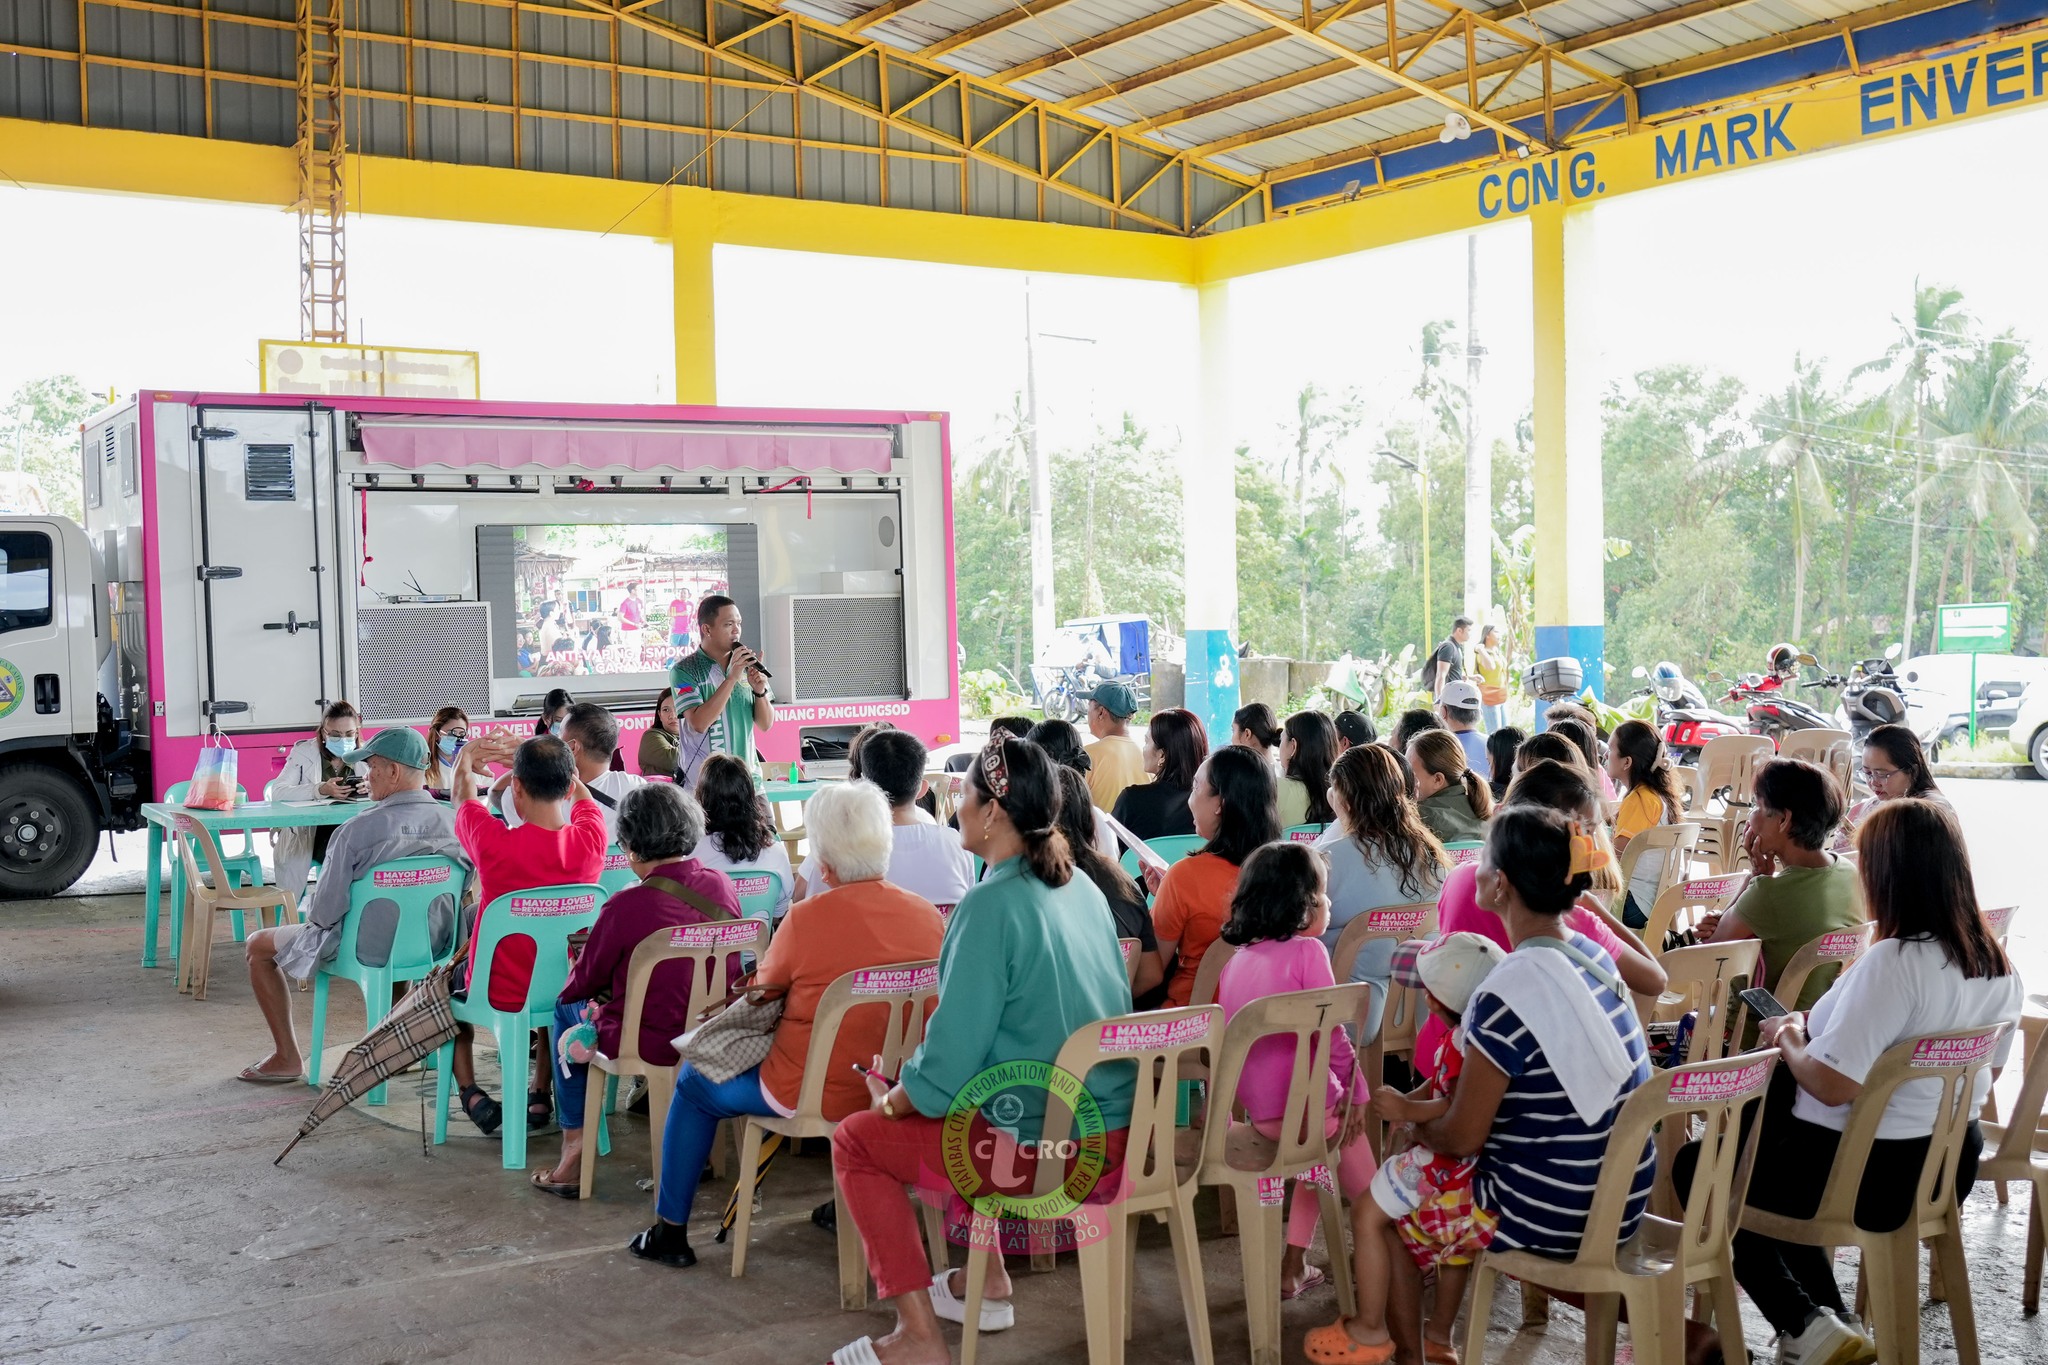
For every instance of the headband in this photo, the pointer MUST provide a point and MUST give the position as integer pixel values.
(995, 769)
(1587, 855)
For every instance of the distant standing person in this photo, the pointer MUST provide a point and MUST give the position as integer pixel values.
(1490, 662)
(721, 693)
(679, 622)
(1115, 760)
(1447, 663)
(632, 620)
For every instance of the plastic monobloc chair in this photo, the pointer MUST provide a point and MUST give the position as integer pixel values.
(244, 868)
(547, 915)
(210, 891)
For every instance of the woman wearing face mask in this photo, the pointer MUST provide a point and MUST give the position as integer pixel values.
(553, 711)
(314, 769)
(446, 735)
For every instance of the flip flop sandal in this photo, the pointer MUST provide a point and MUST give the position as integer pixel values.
(485, 1112)
(571, 1190)
(540, 1110)
(997, 1315)
(255, 1077)
(1312, 1279)
(1439, 1353)
(860, 1352)
(1331, 1344)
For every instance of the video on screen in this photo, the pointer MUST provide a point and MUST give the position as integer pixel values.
(600, 600)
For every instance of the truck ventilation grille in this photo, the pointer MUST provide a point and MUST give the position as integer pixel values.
(418, 657)
(268, 475)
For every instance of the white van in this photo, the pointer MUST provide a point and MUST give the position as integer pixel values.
(1938, 685)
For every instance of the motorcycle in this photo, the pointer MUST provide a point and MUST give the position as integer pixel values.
(1874, 697)
(1772, 710)
(1684, 717)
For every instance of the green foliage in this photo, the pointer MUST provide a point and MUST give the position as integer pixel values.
(986, 693)
(39, 438)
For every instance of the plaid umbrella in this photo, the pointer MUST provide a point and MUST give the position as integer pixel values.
(769, 1147)
(417, 1024)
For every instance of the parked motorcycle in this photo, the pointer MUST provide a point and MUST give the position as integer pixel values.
(1684, 717)
(1874, 697)
(1771, 709)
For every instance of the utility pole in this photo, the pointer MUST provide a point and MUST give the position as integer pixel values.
(1478, 459)
(1041, 493)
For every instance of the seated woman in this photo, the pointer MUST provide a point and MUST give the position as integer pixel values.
(1379, 853)
(311, 770)
(1554, 748)
(1552, 1051)
(1234, 811)
(1451, 799)
(1896, 767)
(1062, 742)
(853, 920)
(1637, 763)
(1568, 792)
(446, 734)
(1175, 745)
(659, 746)
(1308, 747)
(1029, 958)
(1934, 968)
(554, 711)
(1800, 890)
(659, 827)
(1126, 899)
(737, 829)
(1586, 738)
(1501, 748)
(1256, 728)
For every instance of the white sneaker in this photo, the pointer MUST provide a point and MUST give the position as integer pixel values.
(1827, 1340)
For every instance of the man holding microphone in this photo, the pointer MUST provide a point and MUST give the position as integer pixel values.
(721, 692)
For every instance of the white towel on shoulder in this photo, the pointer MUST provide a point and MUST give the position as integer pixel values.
(1545, 990)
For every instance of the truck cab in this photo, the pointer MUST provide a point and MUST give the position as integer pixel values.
(66, 767)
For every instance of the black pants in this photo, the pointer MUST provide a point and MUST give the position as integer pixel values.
(1789, 1282)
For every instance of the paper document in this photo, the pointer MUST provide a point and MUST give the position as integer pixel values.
(1148, 857)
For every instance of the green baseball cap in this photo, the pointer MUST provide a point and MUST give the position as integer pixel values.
(401, 744)
(1115, 698)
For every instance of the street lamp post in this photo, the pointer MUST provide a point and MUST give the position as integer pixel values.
(1422, 478)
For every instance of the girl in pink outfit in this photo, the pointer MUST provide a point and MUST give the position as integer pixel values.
(1568, 791)
(1276, 915)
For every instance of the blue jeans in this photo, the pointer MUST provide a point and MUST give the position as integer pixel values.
(1493, 717)
(569, 1086)
(693, 1118)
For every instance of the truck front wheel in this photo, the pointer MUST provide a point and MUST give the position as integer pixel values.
(48, 834)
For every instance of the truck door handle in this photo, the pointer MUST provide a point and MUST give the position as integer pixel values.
(223, 708)
(291, 625)
(49, 696)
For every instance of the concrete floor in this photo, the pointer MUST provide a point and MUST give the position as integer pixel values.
(141, 1218)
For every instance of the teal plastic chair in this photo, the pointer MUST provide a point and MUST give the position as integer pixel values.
(547, 915)
(618, 873)
(246, 868)
(412, 885)
(1464, 851)
(759, 890)
(1303, 834)
(1171, 847)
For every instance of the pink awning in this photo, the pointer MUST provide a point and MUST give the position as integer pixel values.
(417, 443)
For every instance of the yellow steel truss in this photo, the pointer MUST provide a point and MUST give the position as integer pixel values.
(322, 155)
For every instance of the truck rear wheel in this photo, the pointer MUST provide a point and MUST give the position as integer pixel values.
(48, 834)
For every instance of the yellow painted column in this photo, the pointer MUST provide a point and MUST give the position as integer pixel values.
(1208, 482)
(690, 239)
(1570, 525)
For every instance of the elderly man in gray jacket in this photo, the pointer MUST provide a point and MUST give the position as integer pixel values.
(404, 821)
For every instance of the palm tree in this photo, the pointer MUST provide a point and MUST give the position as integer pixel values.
(1321, 425)
(1993, 418)
(1798, 424)
(1938, 331)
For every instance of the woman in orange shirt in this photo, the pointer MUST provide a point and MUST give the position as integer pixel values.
(1235, 809)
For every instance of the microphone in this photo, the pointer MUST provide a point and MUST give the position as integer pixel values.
(739, 645)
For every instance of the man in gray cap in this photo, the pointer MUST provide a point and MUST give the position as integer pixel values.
(403, 821)
(1115, 760)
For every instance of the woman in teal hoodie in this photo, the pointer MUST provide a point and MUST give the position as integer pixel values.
(1030, 955)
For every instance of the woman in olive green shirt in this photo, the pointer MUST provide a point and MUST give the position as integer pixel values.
(1030, 955)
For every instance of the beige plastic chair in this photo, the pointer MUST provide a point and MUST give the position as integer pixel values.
(1682, 907)
(215, 894)
(1208, 972)
(1256, 1168)
(1161, 1044)
(1836, 948)
(1652, 1269)
(1891, 1260)
(1727, 770)
(1827, 749)
(1397, 922)
(1405, 1007)
(2014, 1152)
(709, 949)
(1130, 948)
(1703, 978)
(863, 989)
(1678, 842)
(1999, 921)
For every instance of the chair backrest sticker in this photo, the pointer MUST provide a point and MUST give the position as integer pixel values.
(554, 905)
(411, 876)
(1706, 1087)
(714, 935)
(1955, 1051)
(750, 886)
(617, 862)
(895, 980)
(1461, 856)
(1394, 921)
(1146, 1037)
(1841, 943)
(1706, 888)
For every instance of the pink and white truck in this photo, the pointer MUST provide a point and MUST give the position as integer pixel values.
(246, 558)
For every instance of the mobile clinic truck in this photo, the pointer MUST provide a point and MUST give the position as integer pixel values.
(245, 559)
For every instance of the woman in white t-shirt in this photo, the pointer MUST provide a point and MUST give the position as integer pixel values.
(1936, 967)
(738, 833)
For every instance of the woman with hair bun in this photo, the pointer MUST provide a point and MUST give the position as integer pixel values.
(1453, 801)
(1030, 956)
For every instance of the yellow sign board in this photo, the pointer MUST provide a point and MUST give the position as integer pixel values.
(378, 371)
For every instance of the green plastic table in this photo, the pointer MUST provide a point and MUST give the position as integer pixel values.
(161, 815)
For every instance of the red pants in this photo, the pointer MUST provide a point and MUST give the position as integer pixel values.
(875, 1159)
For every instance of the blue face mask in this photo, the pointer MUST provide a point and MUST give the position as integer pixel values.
(338, 747)
(449, 745)
(556, 729)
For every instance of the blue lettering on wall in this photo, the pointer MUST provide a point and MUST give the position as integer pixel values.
(1489, 210)
(1671, 158)
(1518, 190)
(1583, 180)
(1543, 179)
(1774, 130)
(2041, 68)
(1706, 149)
(1913, 95)
(1741, 133)
(1877, 95)
(2000, 67)
(1959, 96)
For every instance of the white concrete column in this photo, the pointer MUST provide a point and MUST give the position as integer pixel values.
(1570, 518)
(1208, 481)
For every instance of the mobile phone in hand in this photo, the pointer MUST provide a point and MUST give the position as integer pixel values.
(1762, 1003)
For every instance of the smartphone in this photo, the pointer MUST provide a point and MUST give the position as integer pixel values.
(1762, 1003)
